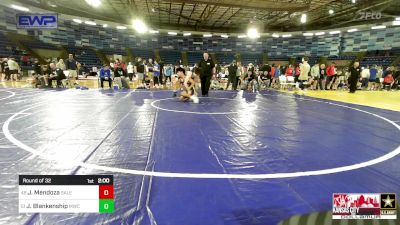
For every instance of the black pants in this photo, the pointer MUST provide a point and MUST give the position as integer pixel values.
(156, 80)
(103, 79)
(168, 78)
(328, 80)
(232, 80)
(353, 85)
(320, 83)
(130, 76)
(301, 85)
(205, 84)
(54, 78)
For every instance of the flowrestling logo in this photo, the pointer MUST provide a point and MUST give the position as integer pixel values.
(364, 206)
(37, 21)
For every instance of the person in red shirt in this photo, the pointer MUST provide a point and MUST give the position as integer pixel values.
(272, 75)
(330, 76)
(388, 81)
(289, 71)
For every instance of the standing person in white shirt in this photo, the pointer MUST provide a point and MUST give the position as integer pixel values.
(365, 74)
(14, 68)
(130, 70)
(304, 70)
(315, 76)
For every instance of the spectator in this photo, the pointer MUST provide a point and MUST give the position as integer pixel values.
(56, 74)
(61, 65)
(250, 79)
(365, 74)
(105, 75)
(354, 76)
(232, 69)
(277, 73)
(139, 70)
(130, 70)
(156, 74)
(388, 81)
(289, 71)
(296, 73)
(322, 77)
(372, 77)
(14, 68)
(304, 70)
(379, 78)
(215, 84)
(5, 70)
(72, 67)
(119, 74)
(330, 76)
(315, 76)
(168, 71)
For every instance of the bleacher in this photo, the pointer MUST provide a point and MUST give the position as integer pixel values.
(7, 48)
(377, 60)
(194, 57)
(84, 55)
(251, 58)
(36, 44)
(143, 53)
(113, 51)
(225, 58)
(342, 57)
(169, 56)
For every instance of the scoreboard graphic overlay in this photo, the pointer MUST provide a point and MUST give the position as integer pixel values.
(66, 194)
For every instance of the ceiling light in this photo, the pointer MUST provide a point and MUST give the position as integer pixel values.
(396, 23)
(154, 31)
(335, 32)
(224, 36)
(242, 36)
(187, 34)
(105, 25)
(90, 23)
(286, 35)
(172, 33)
(207, 35)
(352, 30)
(398, 18)
(303, 18)
(275, 35)
(77, 21)
(94, 3)
(121, 27)
(331, 11)
(20, 8)
(308, 34)
(353, 1)
(319, 33)
(253, 33)
(378, 27)
(52, 5)
(139, 26)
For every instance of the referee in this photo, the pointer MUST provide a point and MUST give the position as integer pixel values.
(207, 68)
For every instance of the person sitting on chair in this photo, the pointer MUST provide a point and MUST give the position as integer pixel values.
(105, 75)
(250, 78)
(56, 74)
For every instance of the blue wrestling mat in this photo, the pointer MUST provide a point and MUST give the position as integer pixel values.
(236, 158)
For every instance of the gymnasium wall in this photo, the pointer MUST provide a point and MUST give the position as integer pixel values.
(70, 33)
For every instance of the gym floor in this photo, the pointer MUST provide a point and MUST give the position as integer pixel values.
(235, 158)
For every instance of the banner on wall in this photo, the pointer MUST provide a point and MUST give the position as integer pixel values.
(37, 21)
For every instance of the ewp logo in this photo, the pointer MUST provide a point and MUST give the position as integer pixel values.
(47, 21)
